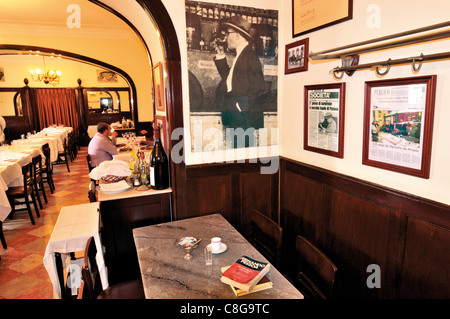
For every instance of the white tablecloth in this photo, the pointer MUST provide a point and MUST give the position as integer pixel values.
(10, 175)
(73, 228)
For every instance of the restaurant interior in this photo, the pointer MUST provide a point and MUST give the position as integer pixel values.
(360, 212)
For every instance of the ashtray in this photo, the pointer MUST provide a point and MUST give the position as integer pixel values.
(188, 244)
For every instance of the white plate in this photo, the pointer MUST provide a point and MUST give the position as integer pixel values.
(115, 187)
(222, 249)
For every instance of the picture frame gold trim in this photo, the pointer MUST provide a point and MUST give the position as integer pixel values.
(312, 15)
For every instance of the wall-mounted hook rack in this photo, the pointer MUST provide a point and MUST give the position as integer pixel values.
(417, 62)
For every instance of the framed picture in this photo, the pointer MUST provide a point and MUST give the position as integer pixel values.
(161, 121)
(297, 56)
(324, 119)
(312, 15)
(106, 76)
(398, 124)
(158, 80)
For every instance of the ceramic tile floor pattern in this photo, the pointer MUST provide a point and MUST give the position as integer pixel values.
(22, 273)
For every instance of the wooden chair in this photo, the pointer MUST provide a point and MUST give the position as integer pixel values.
(17, 192)
(2, 237)
(47, 169)
(317, 273)
(89, 162)
(266, 236)
(38, 180)
(91, 287)
(71, 146)
(63, 156)
(92, 194)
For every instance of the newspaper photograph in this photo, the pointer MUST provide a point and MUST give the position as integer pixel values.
(396, 124)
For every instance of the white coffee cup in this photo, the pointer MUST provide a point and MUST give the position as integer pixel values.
(216, 243)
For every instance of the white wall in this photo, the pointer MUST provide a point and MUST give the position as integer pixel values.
(394, 17)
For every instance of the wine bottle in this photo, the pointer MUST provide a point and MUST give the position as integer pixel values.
(159, 163)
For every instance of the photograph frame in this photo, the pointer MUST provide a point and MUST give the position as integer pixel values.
(316, 15)
(158, 85)
(328, 106)
(160, 119)
(416, 143)
(290, 62)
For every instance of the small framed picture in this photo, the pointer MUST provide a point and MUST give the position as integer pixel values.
(297, 56)
(324, 119)
(161, 121)
(398, 124)
(158, 80)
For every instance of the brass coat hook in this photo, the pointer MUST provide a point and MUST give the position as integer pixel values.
(413, 64)
(388, 67)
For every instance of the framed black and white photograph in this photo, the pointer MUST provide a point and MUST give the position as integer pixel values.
(296, 57)
(324, 119)
(398, 124)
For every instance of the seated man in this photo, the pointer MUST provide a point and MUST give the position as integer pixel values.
(101, 147)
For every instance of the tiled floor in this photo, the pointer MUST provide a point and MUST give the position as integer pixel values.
(22, 273)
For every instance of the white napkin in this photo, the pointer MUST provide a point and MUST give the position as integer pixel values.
(114, 167)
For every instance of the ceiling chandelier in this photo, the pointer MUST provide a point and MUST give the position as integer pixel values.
(50, 76)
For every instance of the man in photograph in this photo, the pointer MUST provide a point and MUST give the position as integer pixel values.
(242, 84)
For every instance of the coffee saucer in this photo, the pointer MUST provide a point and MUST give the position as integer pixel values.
(222, 249)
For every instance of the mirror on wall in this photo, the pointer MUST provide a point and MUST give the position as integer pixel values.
(10, 102)
(108, 100)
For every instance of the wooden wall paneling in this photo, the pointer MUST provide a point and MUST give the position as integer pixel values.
(302, 208)
(426, 270)
(119, 217)
(360, 236)
(211, 194)
(258, 191)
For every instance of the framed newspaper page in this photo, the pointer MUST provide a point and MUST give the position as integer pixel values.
(324, 119)
(398, 124)
(312, 15)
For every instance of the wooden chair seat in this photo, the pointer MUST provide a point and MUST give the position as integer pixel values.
(24, 192)
(132, 289)
(267, 237)
(91, 286)
(317, 273)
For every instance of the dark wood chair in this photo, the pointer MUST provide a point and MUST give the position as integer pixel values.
(38, 180)
(71, 146)
(91, 287)
(266, 236)
(89, 162)
(2, 237)
(47, 169)
(17, 192)
(317, 273)
(92, 193)
(63, 156)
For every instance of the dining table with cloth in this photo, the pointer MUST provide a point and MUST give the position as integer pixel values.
(74, 226)
(11, 162)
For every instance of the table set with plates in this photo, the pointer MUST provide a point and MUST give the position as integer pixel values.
(20, 153)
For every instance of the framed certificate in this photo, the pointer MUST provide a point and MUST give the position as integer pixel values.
(311, 15)
(398, 124)
(324, 119)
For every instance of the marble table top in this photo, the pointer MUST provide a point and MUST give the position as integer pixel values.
(167, 275)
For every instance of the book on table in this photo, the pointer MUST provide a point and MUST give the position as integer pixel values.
(245, 273)
(263, 284)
